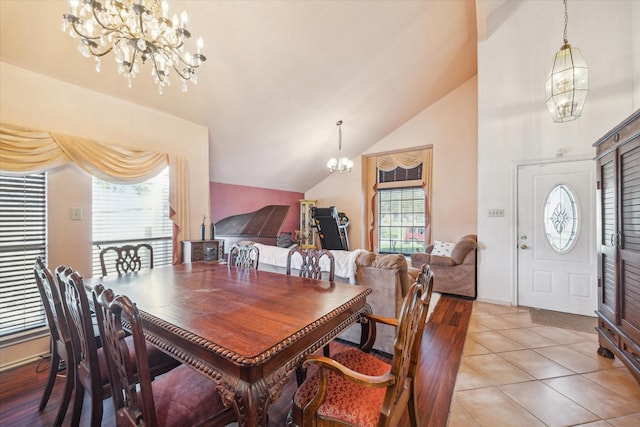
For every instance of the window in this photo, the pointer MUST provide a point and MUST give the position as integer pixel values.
(23, 237)
(401, 220)
(131, 214)
(561, 218)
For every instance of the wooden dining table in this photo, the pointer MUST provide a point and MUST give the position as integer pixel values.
(246, 330)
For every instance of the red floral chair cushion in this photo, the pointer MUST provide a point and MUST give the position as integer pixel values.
(347, 401)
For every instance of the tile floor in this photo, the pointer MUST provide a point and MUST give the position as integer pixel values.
(518, 373)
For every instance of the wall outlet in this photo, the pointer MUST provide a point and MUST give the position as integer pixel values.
(493, 213)
(76, 214)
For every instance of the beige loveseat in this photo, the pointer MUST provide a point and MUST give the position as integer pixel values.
(386, 275)
(453, 274)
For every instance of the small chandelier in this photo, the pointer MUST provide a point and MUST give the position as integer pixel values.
(568, 81)
(136, 31)
(340, 164)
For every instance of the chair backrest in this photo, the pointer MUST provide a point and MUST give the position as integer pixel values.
(50, 294)
(244, 254)
(125, 374)
(126, 258)
(406, 349)
(75, 302)
(310, 266)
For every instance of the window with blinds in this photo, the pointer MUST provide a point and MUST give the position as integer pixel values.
(23, 237)
(131, 214)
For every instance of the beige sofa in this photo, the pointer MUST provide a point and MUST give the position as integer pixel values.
(453, 274)
(386, 275)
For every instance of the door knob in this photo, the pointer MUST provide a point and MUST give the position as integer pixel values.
(523, 246)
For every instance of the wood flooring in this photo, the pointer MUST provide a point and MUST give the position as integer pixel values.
(21, 388)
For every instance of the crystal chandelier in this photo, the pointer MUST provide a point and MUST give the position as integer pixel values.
(568, 81)
(340, 164)
(136, 31)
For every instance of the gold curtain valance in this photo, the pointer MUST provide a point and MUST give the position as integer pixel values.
(26, 151)
(407, 160)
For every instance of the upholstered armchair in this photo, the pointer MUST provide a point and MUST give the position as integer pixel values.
(454, 273)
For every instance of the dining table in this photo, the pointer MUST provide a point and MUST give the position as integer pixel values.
(246, 330)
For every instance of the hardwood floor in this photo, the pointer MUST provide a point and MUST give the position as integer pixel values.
(442, 345)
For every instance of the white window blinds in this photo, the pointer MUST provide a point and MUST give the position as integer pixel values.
(131, 214)
(23, 237)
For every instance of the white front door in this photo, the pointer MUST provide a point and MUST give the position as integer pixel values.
(557, 264)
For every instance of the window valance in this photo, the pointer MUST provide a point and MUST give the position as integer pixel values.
(25, 151)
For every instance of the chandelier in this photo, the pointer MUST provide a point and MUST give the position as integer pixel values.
(568, 81)
(340, 164)
(135, 31)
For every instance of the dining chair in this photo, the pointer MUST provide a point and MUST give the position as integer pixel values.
(181, 397)
(91, 373)
(244, 254)
(60, 338)
(126, 258)
(310, 266)
(355, 388)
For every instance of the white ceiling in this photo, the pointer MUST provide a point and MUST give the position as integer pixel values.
(279, 74)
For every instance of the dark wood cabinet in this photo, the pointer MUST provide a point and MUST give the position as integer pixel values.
(202, 250)
(618, 163)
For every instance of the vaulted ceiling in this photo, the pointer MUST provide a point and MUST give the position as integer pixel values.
(279, 75)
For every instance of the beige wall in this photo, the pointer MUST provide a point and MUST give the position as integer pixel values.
(37, 101)
(450, 126)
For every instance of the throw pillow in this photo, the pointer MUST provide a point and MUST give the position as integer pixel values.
(442, 248)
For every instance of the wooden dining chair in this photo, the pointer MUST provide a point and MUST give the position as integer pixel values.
(91, 373)
(310, 266)
(356, 388)
(126, 258)
(181, 397)
(60, 338)
(244, 254)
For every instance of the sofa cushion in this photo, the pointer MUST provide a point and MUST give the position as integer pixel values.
(442, 248)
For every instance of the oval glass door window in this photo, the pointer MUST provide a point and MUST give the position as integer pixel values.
(561, 218)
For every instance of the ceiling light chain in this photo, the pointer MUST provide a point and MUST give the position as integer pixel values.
(567, 84)
(135, 31)
(339, 164)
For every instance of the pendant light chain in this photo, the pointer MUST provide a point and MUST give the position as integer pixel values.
(566, 20)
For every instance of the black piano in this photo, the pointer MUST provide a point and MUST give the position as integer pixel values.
(261, 226)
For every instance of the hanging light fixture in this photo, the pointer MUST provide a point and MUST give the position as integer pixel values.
(135, 31)
(568, 81)
(340, 164)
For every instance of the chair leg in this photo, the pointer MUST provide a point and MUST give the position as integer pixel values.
(53, 371)
(413, 408)
(66, 397)
(77, 403)
(96, 411)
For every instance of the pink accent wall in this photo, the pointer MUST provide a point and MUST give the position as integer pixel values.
(229, 199)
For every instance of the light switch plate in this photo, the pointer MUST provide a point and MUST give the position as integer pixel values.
(76, 214)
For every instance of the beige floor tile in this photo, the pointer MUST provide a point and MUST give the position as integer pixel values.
(459, 417)
(547, 404)
(595, 424)
(481, 307)
(628, 421)
(528, 338)
(563, 336)
(495, 369)
(491, 407)
(591, 350)
(495, 341)
(535, 364)
(472, 348)
(496, 322)
(468, 378)
(573, 360)
(619, 380)
(598, 399)
(475, 325)
(519, 320)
